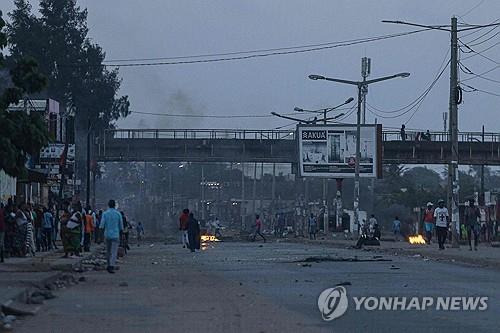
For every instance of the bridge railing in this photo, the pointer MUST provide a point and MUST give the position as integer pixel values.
(390, 135)
(441, 136)
(200, 134)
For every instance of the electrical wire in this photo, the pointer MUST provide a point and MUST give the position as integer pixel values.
(416, 100)
(468, 71)
(479, 30)
(474, 89)
(417, 106)
(481, 74)
(480, 53)
(339, 121)
(210, 116)
(473, 8)
(250, 55)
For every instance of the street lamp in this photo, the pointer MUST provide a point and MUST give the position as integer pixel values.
(361, 85)
(324, 111)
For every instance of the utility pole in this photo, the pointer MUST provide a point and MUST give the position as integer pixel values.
(87, 192)
(366, 66)
(254, 189)
(242, 207)
(365, 73)
(481, 196)
(453, 126)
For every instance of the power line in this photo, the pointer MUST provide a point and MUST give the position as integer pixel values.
(481, 90)
(481, 74)
(479, 30)
(417, 106)
(416, 100)
(480, 53)
(473, 8)
(207, 115)
(281, 51)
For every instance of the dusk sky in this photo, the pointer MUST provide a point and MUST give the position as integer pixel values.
(131, 29)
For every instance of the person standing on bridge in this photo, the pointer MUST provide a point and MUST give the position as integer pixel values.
(112, 224)
(442, 220)
(403, 133)
(183, 226)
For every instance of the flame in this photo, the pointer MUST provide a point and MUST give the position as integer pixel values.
(209, 238)
(418, 239)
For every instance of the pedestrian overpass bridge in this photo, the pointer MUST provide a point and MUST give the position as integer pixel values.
(279, 146)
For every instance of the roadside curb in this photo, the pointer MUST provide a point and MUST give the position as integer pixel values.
(16, 301)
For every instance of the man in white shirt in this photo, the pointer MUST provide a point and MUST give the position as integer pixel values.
(442, 218)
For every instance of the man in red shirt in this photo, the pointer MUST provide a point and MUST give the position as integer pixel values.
(429, 221)
(258, 227)
(183, 227)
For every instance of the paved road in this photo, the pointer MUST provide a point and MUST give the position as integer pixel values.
(252, 287)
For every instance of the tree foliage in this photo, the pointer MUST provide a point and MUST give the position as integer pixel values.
(21, 134)
(70, 60)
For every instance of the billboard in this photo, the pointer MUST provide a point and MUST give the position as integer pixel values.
(330, 150)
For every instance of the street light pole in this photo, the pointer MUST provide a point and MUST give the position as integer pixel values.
(360, 85)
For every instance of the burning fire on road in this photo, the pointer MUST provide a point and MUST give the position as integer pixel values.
(417, 239)
(209, 238)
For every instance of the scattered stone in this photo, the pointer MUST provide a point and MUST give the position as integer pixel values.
(82, 279)
(261, 245)
(296, 281)
(345, 283)
(154, 263)
(7, 327)
(306, 265)
(405, 285)
(46, 294)
(123, 284)
(394, 267)
(36, 300)
(241, 283)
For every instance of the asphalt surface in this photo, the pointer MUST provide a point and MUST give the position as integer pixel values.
(257, 287)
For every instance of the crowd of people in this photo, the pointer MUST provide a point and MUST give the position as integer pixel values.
(27, 229)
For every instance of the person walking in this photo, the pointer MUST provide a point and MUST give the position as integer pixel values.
(88, 229)
(193, 233)
(472, 214)
(48, 225)
(396, 228)
(140, 232)
(98, 233)
(258, 227)
(312, 226)
(112, 225)
(30, 231)
(442, 220)
(183, 226)
(429, 221)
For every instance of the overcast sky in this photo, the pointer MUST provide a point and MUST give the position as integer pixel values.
(159, 28)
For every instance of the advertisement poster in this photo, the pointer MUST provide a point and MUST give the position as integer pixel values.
(330, 150)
